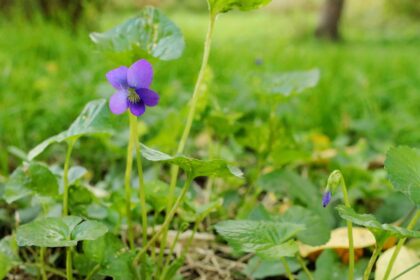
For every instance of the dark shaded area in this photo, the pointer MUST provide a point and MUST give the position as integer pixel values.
(328, 27)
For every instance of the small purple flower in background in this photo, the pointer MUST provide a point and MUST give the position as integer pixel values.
(326, 198)
(133, 88)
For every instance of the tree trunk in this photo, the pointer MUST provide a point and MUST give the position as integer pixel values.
(328, 27)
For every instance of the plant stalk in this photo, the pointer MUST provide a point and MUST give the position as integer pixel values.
(401, 242)
(69, 269)
(187, 128)
(42, 263)
(304, 267)
(287, 269)
(349, 231)
(167, 221)
(372, 261)
(127, 182)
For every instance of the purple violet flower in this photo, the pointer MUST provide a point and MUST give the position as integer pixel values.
(133, 88)
(326, 198)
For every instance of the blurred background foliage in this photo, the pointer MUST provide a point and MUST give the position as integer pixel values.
(369, 88)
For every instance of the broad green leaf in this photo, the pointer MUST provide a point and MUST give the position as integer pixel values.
(58, 232)
(5, 265)
(290, 82)
(111, 254)
(30, 178)
(104, 249)
(151, 31)
(276, 252)
(252, 236)
(369, 221)
(193, 167)
(89, 230)
(258, 268)
(403, 167)
(75, 173)
(223, 6)
(157, 194)
(93, 120)
(317, 231)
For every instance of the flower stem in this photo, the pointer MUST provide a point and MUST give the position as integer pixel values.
(142, 193)
(93, 272)
(127, 182)
(66, 177)
(349, 231)
(401, 242)
(287, 269)
(372, 261)
(167, 221)
(69, 269)
(187, 128)
(304, 267)
(42, 263)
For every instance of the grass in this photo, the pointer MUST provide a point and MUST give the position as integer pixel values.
(369, 86)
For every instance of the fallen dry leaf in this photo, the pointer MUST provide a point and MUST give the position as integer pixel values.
(406, 259)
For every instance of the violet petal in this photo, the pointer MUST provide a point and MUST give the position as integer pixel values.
(138, 108)
(140, 74)
(118, 77)
(149, 97)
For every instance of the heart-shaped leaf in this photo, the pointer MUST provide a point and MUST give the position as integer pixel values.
(276, 252)
(403, 167)
(151, 31)
(93, 120)
(58, 232)
(381, 231)
(258, 268)
(193, 167)
(30, 178)
(258, 236)
(290, 82)
(111, 254)
(223, 6)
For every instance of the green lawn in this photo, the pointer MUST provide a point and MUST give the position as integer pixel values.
(369, 82)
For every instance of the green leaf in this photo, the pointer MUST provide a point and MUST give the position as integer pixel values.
(89, 230)
(317, 231)
(258, 268)
(276, 252)
(28, 179)
(290, 82)
(193, 167)
(369, 221)
(252, 236)
(403, 167)
(223, 6)
(58, 232)
(151, 31)
(104, 249)
(93, 120)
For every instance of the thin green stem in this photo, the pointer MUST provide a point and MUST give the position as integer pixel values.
(304, 267)
(69, 269)
(168, 259)
(167, 221)
(187, 128)
(127, 182)
(42, 263)
(49, 269)
(372, 261)
(92, 273)
(406, 271)
(66, 177)
(142, 193)
(287, 269)
(349, 231)
(401, 242)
